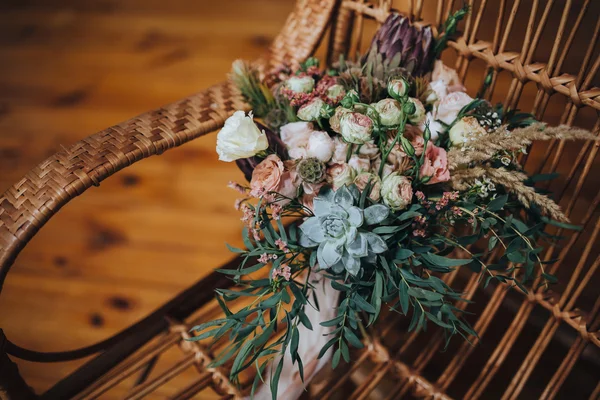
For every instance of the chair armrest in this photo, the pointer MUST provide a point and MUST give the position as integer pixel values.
(30, 203)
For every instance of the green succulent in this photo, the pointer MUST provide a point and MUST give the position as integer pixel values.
(338, 228)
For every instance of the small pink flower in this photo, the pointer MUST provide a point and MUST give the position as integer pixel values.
(282, 245)
(435, 165)
(236, 186)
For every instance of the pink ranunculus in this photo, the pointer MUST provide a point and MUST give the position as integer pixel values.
(266, 176)
(435, 165)
(296, 134)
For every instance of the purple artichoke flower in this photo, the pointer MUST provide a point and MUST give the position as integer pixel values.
(415, 45)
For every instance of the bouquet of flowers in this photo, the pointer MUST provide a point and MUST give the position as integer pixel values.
(367, 183)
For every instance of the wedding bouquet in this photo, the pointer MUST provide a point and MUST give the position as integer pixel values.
(367, 182)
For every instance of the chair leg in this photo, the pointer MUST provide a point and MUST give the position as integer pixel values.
(12, 385)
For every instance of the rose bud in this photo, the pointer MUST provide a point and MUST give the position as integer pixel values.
(418, 115)
(398, 88)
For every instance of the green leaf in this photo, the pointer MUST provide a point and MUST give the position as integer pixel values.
(352, 338)
(234, 249)
(404, 297)
(497, 203)
(363, 305)
(327, 346)
(550, 278)
(444, 261)
(562, 225)
(336, 359)
(243, 271)
(402, 254)
(345, 351)
(275, 379)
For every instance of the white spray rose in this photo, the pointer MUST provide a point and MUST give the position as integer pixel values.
(311, 111)
(339, 175)
(435, 128)
(465, 129)
(419, 115)
(390, 112)
(450, 106)
(356, 128)
(359, 163)
(396, 191)
(300, 84)
(320, 146)
(398, 88)
(240, 138)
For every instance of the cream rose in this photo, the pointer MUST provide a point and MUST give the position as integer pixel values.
(396, 191)
(335, 92)
(390, 112)
(320, 146)
(450, 106)
(334, 121)
(363, 179)
(240, 138)
(339, 175)
(464, 130)
(300, 84)
(311, 111)
(356, 128)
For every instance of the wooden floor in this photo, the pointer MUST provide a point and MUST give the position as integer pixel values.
(69, 68)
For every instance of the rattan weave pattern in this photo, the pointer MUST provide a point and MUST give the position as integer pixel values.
(523, 330)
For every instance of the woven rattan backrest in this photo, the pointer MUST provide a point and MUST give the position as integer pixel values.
(552, 72)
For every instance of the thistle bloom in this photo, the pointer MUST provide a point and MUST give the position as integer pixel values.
(240, 138)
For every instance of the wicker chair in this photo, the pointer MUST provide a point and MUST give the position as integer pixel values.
(541, 345)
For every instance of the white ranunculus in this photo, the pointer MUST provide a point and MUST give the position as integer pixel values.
(417, 117)
(356, 127)
(240, 138)
(339, 175)
(390, 112)
(435, 128)
(398, 88)
(296, 134)
(300, 84)
(320, 146)
(335, 92)
(359, 164)
(396, 191)
(311, 111)
(450, 106)
(464, 130)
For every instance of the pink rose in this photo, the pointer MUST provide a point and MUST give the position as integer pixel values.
(435, 165)
(450, 105)
(266, 176)
(415, 137)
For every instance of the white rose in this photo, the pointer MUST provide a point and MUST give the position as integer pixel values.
(359, 163)
(336, 91)
(390, 112)
(450, 106)
(339, 175)
(320, 146)
(435, 128)
(417, 117)
(356, 128)
(296, 134)
(300, 84)
(396, 191)
(398, 88)
(365, 178)
(464, 130)
(311, 111)
(240, 138)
